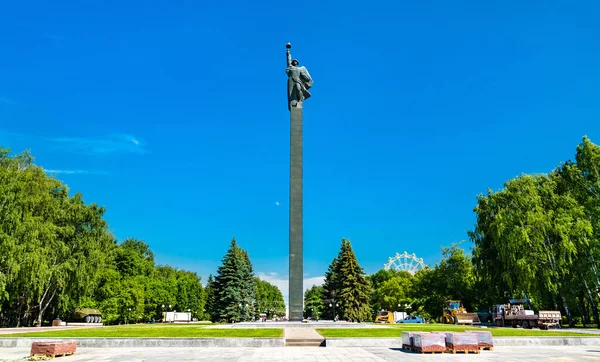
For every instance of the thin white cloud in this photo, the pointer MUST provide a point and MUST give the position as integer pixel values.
(282, 283)
(76, 172)
(118, 143)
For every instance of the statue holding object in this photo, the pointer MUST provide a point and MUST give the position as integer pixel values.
(299, 81)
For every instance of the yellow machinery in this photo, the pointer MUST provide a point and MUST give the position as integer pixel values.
(455, 313)
(384, 317)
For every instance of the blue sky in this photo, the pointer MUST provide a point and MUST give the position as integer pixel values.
(173, 115)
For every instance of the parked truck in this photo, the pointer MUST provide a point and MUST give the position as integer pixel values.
(514, 314)
(384, 316)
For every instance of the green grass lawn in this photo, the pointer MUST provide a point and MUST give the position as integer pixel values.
(156, 331)
(396, 331)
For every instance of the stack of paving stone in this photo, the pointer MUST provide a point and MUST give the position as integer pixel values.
(408, 340)
(447, 342)
(484, 340)
(429, 342)
(462, 342)
(53, 349)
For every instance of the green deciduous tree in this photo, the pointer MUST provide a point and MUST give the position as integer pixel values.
(313, 303)
(394, 294)
(269, 299)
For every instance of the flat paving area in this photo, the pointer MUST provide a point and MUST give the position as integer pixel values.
(317, 354)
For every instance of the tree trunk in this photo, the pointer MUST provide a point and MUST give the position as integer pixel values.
(19, 317)
(583, 309)
(39, 318)
(566, 306)
(43, 307)
(592, 303)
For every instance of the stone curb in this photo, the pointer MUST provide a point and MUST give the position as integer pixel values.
(498, 341)
(149, 342)
(280, 342)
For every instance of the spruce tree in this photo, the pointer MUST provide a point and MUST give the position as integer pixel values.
(331, 286)
(355, 290)
(235, 289)
(210, 292)
(249, 303)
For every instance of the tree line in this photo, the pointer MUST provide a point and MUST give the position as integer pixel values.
(538, 238)
(57, 254)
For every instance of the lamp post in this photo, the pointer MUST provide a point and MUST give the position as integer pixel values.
(334, 304)
(189, 315)
(127, 315)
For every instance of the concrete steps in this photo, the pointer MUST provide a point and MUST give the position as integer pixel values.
(299, 342)
(303, 337)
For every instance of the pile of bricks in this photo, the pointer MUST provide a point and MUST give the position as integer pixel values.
(484, 340)
(462, 342)
(53, 349)
(429, 342)
(453, 342)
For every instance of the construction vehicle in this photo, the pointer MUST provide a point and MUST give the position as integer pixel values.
(514, 314)
(455, 313)
(384, 316)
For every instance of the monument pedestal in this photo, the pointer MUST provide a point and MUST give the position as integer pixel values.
(296, 290)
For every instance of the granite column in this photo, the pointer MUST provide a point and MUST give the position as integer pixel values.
(296, 290)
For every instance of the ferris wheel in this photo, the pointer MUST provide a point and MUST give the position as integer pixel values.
(405, 262)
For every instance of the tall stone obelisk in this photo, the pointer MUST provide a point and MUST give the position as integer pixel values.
(299, 81)
(296, 291)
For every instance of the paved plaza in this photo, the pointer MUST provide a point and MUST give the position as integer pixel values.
(316, 354)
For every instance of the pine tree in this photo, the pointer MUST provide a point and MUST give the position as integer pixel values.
(355, 290)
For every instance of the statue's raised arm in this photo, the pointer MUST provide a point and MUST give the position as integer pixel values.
(299, 81)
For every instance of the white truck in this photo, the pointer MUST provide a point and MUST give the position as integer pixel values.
(514, 314)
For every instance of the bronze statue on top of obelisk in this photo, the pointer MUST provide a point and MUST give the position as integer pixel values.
(299, 81)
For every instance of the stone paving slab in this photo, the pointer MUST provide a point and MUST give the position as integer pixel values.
(315, 354)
